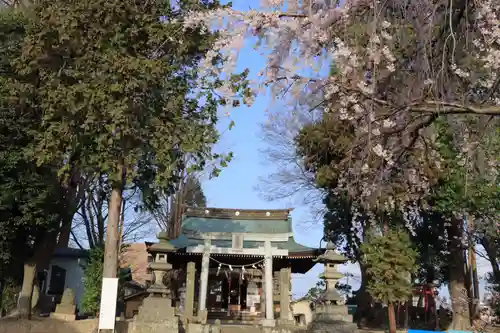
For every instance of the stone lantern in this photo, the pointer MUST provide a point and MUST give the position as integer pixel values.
(330, 259)
(333, 310)
(160, 267)
(156, 313)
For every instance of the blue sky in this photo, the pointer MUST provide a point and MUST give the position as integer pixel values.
(235, 187)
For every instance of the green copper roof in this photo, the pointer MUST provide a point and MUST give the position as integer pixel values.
(184, 241)
(197, 224)
(201, 224)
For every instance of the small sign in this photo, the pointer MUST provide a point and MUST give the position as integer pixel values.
(109, 295)
(253, 299)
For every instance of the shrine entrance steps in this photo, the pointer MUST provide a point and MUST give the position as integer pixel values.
(228, 328)
(242, 317)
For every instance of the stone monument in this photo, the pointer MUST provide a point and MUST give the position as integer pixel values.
(189, 295)
(332, 314)
(66, 309)
(286, 318)
(156, 313)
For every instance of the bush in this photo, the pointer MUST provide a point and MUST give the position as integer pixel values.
(92, 282)
(9, 296)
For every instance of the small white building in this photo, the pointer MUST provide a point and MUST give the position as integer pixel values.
(66, 271)
(302, 312)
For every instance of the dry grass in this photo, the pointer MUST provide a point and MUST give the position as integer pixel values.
(46, 325)
(49, 325)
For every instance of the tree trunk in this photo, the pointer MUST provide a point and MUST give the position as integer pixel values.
(472, 283)
(408, 304)
(110, 264)
(179, 207)
(43, 249)
(392, 317)
(363, 301)
(459, 304)
(489, 246)
(63, 241)
(473, 278)
(110, 267)
(25, 296)
(458, 292)
(2, 287)
(468, 285)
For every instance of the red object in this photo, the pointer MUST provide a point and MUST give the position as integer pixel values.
(427, 292)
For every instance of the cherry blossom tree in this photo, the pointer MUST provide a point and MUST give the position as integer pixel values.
(396, 68)
(400, 73)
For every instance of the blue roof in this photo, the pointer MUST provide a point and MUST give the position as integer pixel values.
(202, 224)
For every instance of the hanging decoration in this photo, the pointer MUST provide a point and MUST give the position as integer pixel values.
(253, 265)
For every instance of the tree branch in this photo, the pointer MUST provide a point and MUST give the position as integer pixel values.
(454, 108)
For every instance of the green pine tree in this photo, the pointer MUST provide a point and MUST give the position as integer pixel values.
(390, 261)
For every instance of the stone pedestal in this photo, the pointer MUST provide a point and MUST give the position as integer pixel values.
(202, 316)
(156, 315)
(326, 324)
(334, 312)
(268, 322)
(216, 327)
(65, 311)
(198, 328)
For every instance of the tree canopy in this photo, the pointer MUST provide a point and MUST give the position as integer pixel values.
(32, 198)
(119, 94)
(109, 90)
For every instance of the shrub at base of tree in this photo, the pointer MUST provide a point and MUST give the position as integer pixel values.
(92, 282)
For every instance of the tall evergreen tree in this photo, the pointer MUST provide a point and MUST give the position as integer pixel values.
(32, 200)
(390, 261)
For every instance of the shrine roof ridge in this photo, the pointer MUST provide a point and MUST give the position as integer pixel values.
(238, 214)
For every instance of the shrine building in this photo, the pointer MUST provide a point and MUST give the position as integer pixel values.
(234, 264)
